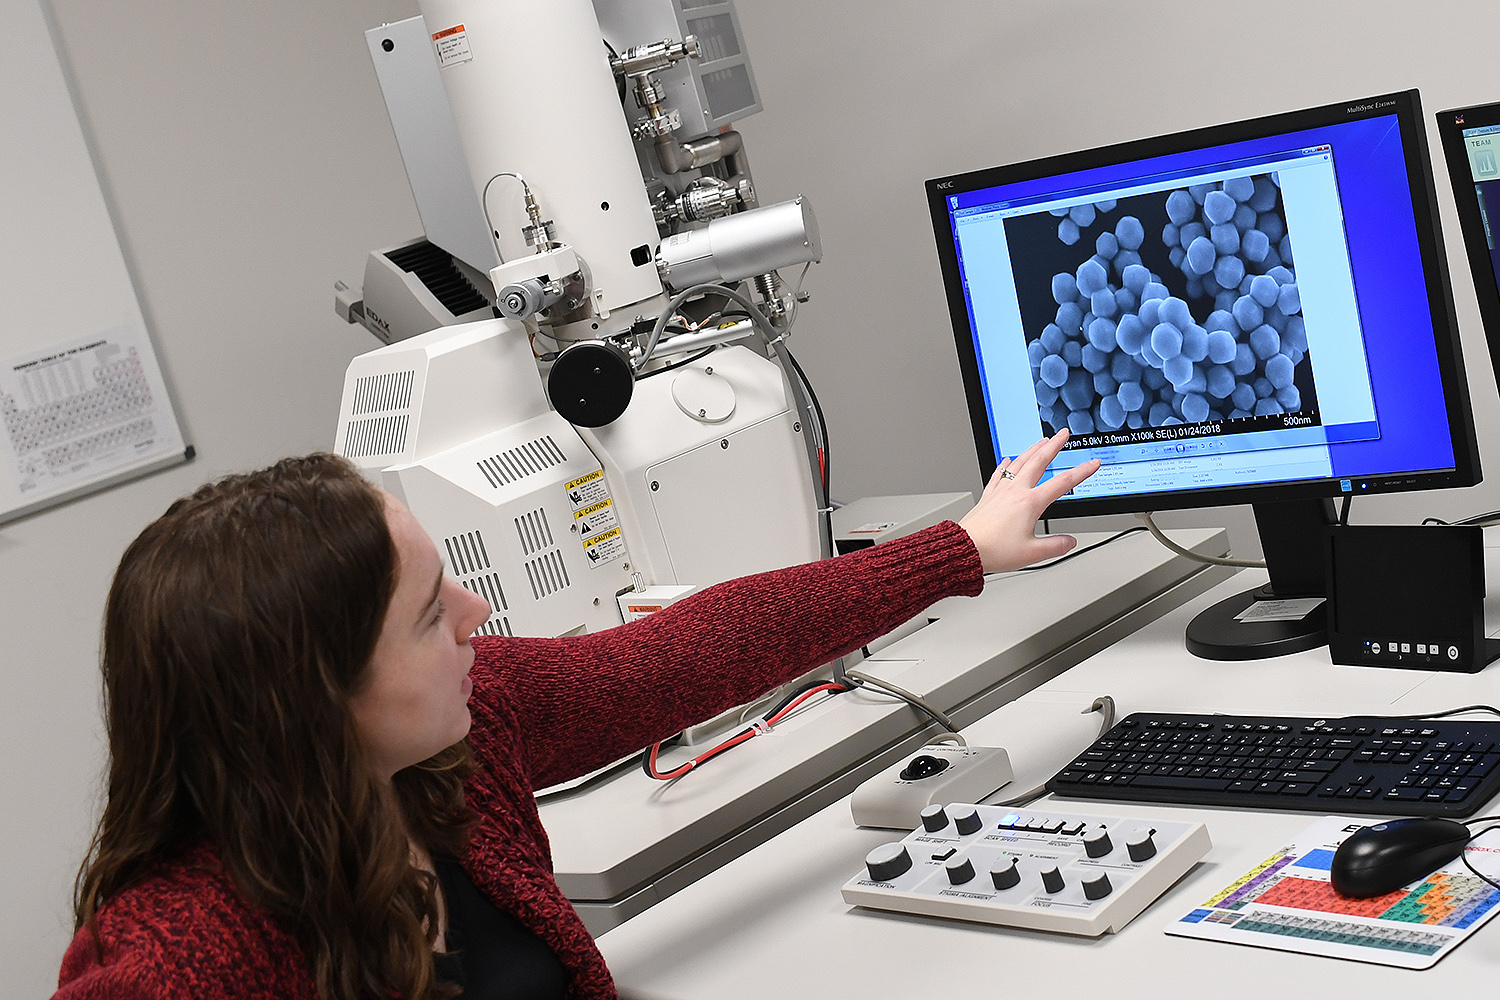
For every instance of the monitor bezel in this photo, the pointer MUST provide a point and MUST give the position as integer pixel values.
(1451, 125)
(1406, 105)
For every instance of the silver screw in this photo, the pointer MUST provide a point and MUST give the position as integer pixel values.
(797, 427)
(724, 443)
(655, 486)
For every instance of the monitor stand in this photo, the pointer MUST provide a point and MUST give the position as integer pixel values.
(1293, 534)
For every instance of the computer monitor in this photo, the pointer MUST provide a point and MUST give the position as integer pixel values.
(1256, 312)
(1471, 142)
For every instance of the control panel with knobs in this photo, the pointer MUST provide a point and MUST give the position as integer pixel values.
(1051, 871)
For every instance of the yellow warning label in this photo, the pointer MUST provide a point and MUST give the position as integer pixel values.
(592, 509)
(581, 480)
(601, 538)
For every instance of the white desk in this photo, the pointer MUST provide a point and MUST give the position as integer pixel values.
(973, 655)
(772, 922)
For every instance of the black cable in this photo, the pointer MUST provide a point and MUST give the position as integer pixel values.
(1464, 855)
(1475, 519)
(676, 364)
(793, 696)
(1436, 715)
(822, 428)
(1078, 552)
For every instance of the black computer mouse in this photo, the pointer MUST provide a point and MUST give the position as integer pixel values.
(1374, 860)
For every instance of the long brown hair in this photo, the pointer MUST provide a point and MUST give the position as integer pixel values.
(237, 628)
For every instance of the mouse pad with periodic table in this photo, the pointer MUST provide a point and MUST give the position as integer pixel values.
(1286, 902)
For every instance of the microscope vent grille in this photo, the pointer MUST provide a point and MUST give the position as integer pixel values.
(535, 532)
(376, 436)
(547, 574)
(467, 554)
(521, 461)
(382, 393)
(488, 586)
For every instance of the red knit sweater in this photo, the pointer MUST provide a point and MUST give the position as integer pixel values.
(544, 710)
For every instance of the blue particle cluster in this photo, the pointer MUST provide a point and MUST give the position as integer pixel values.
(1123, 352)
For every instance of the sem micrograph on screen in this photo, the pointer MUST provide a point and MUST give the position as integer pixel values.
(1174, 309)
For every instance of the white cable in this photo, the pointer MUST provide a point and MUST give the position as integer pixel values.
(1105, 704)
(915, 700)
(1190, 554)
(484, 203)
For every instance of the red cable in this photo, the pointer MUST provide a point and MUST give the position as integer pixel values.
(742, 736)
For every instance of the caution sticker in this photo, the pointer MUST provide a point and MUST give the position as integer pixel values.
(585, 491)
(596, 517)
(452, 46)
(604, 547)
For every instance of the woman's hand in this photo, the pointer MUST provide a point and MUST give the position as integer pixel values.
(1003, 523)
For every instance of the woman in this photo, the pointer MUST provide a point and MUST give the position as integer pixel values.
(319, 786)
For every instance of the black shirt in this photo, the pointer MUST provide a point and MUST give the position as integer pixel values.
(490, 955)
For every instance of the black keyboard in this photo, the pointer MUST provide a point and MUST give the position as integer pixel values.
(1360, 764)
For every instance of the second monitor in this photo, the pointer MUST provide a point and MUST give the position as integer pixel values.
(1255, 313)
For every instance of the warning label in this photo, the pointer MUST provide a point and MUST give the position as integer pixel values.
(604, 547)
(595, 517)
(452, 46)
(585, 491)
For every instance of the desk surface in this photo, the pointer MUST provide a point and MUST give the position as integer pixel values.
(773, 920)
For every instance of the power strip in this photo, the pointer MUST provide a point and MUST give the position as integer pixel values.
(1050, 871)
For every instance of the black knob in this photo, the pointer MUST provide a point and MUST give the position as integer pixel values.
(923, 766)
(1097, 888)
(1141, 846)
(934, 818)
(1052, 880)
(888, 861)
(1097, 844)
(968, 821)
(1006, 876)
(960, 870)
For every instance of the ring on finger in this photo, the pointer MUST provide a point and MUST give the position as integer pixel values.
(1007, 474)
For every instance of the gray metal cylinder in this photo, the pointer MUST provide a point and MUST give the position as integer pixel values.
(742, 245)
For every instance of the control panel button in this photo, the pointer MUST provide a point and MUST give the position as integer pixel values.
(934, 818)
(888, 861)
(1097, 887)
(1141, 846)
(1006, 876)
(923, 766)
(1097, 843)
(967, 821)
(960, 870)
(1052, 880)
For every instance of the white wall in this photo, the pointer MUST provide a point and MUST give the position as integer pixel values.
(246, 155)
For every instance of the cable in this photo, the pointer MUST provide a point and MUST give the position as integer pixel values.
(785, 707)
(859, 678)
(1105, 704)
(1078, 552)
(1188, 553)
(677, 364)
(484, 203)
(1477, 519)
(768, 329)
(817, 408)
(1492, 710)
(1464, 854)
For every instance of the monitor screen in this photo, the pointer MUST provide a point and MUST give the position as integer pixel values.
(1471, 140)
(1251, 312)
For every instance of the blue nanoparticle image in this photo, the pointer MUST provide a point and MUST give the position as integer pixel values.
(1107, 205)
(1244, 360)
(1105, 386)
(1081, 421)
(1201, 255)
(1067, 231)
(1111, 412)
(1136, 277)
(1239, 188)
(1270, 223)
(1130, 232)
(1046, 394)
(1101, 335)
(1290, 398)
(1131, 395)
(1179, 371)
(1106, 245)
(1092, 277)
(1244, 218)
(1290, 300)
(1226, 239)
(1072, 353)
(1166, 341)
(1155, 290)
(1125, 300)
(1220, 347)
(1078, 390)
(1243, 396)
(1190, 232)
(1279, 370)
(1153, 378)
(1247, 313)
(1064, 287)
(1102, 303)
(1053, 338)
(1221, 319)
(1200, 192)
(1194, 342)
(1263, 388)
(1229, 271)
(1035, 352)
(1130, 334)
(1124, 368)
(1176, 312)
(1095, 361)
(1181, 207)
(1264, 198)
(1255, 245)
(1220, 382)
(1267, 407)
(1070, 318)
(1264, 341)
(1296, 334)
(1054, 371)
(1159, 414)
(1194, 408)
(1177, 255)
(1263, 289)
(1218, 207)
(1124, 259)
(1170, 235)
(1082, 214)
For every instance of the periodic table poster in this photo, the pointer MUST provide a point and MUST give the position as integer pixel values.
(83, 402)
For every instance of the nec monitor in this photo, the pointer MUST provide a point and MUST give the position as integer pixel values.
(1471, 142)
(1257, 312)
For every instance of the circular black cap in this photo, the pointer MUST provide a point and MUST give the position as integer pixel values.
(590, 383)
